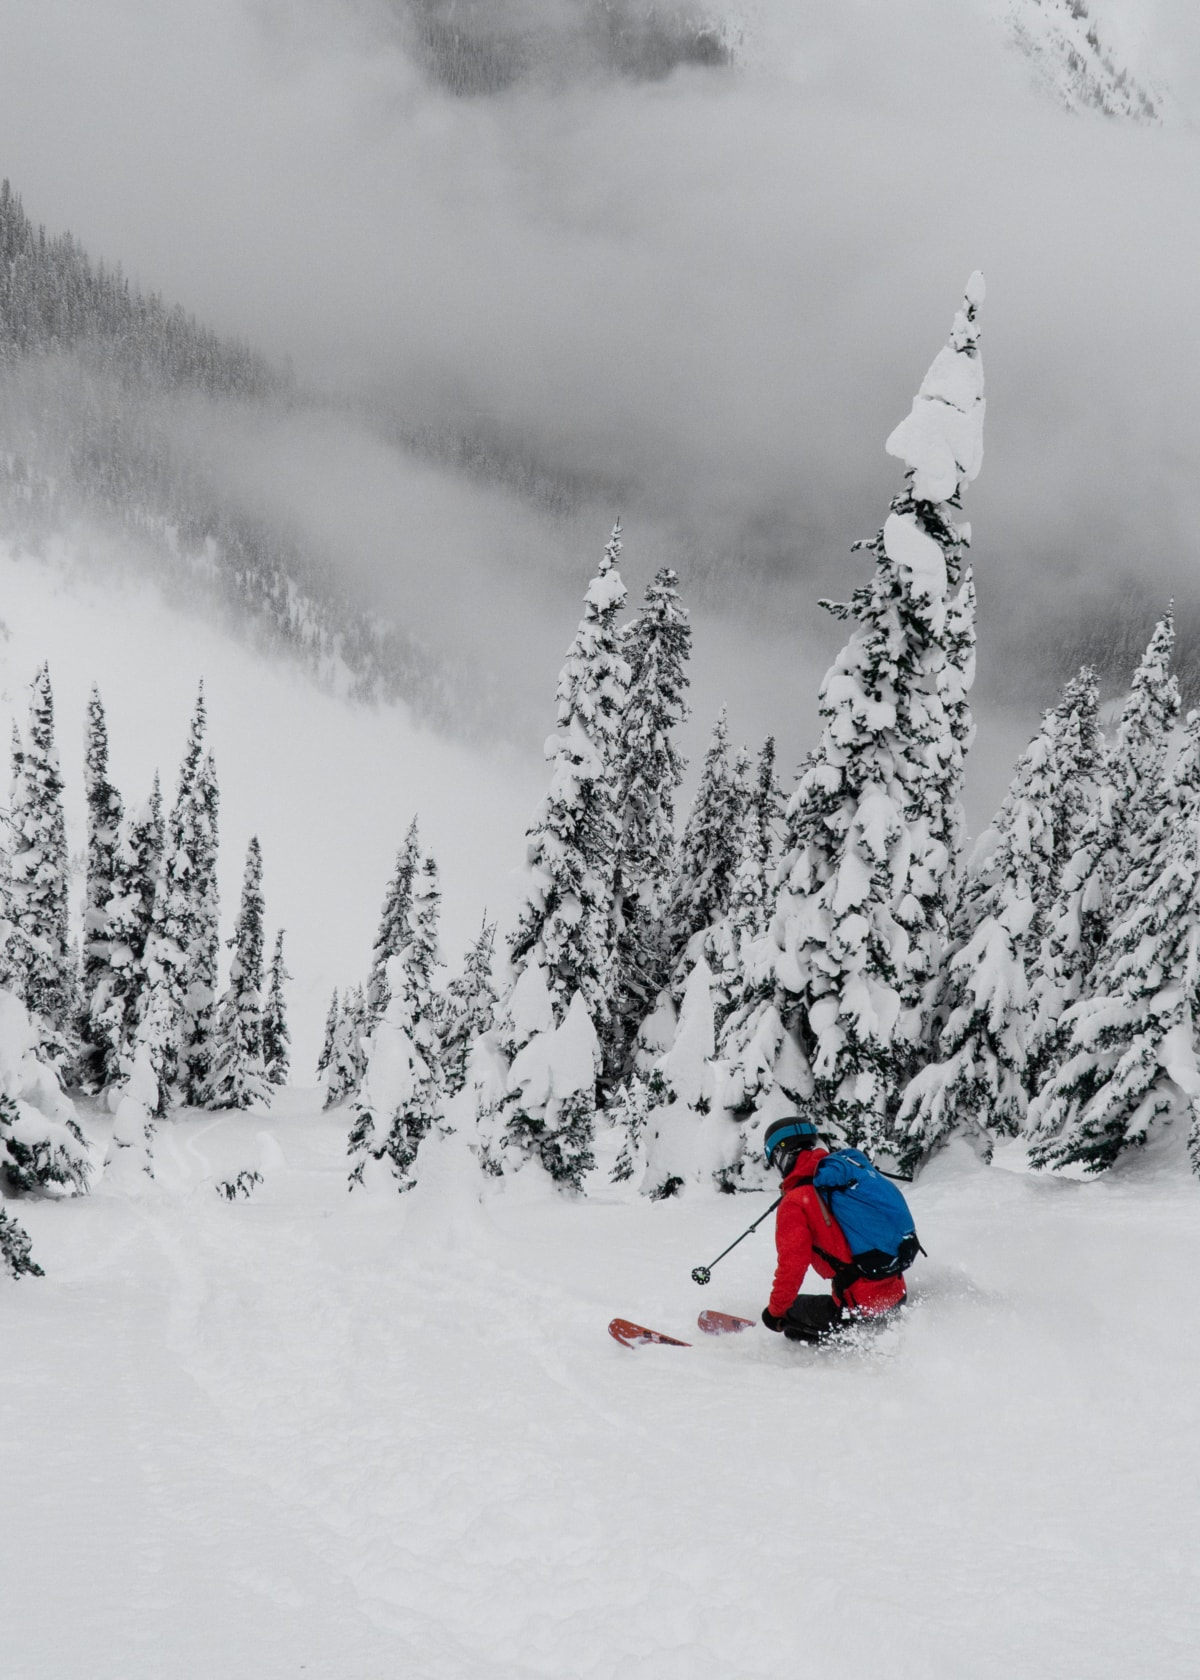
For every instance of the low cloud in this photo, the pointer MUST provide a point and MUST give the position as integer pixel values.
(706, 297)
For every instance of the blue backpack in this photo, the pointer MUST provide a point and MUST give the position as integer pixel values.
(871, 1212)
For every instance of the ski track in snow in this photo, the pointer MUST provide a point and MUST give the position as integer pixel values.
(332, 1436)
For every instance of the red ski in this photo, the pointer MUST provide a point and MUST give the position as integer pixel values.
(723, 1324)
(637, 1335)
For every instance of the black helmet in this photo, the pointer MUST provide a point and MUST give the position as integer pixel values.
(788, 1137)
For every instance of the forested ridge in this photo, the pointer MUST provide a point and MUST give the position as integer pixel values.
(94, 374)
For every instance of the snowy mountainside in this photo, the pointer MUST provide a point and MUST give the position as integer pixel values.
(329, 786)
(1066, 42)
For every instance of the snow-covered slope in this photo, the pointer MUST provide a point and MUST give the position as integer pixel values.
(337, 1437)
(329, 787)
(1066, 42)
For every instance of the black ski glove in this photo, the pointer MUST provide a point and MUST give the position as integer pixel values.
(769, 1319)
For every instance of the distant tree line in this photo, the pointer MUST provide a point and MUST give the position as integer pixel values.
(133, 1012)
(92, 372)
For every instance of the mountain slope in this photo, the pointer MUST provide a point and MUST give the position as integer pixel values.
(1065, 42)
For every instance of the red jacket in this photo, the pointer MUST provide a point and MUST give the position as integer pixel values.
(803, 1224)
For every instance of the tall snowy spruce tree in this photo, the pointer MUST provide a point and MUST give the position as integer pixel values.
(394, 925)
(1128, 1056)
(707, 857)
(398, 1104)
(1110, 859)
(39, 960)
(104, 814)
(562, 949)
(239, 1078)
(567, 921)
(835, 1011)
(657, 645)
(277, 1040)
(470, 1009)
(347, 1059)
(121, 995)
(331, 1024)
(980, 1082)
(187, 937)
(563, 943)
(751, 892)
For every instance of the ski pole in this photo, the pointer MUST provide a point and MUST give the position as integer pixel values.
(702, 1274)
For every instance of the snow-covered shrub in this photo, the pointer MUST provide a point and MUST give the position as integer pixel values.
(41, 1145)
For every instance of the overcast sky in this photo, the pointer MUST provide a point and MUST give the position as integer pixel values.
(701, 301)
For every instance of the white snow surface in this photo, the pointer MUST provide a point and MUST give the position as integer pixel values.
(312, 1434)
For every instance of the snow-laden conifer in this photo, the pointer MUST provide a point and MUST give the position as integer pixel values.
(186, 935)
(16, 1251)
(104, 814)
(978, 1079)
(348, 1056)
(129, 1163)
(656, 645)
(751, 894)
(1128, 1046)
(395, 929)
(41, 1144)
(678, 1138)
(120, 997)
(198, 1023)
(861, 916)
(327, 1041)
(40, 960)
(552, 1082)
(238, 1077)
(566, 926)
(708, 853)
(395, 1108)
(470, 1009)
(277, 1040)
(1113, 852)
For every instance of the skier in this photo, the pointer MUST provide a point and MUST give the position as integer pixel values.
(807, 1234)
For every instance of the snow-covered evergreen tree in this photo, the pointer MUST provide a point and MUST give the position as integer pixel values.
(1114, 851)
(198, 1025)
(238, 1076)
(41, 1144)
(552, 1081)
(861, 916)
(186, 936)
(470, 1009)
(1128, 1056)
(120, 997)
(104, 814)
(708, 853)
(395, 929)
(751, 895)
(397, 1104)
(680, 1090)
(657, 645)
(348, 1056)
(277, 1040)
(40, 961)
(16, 1251)
(566, 925)
(978, 1080)
(331, 1023)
